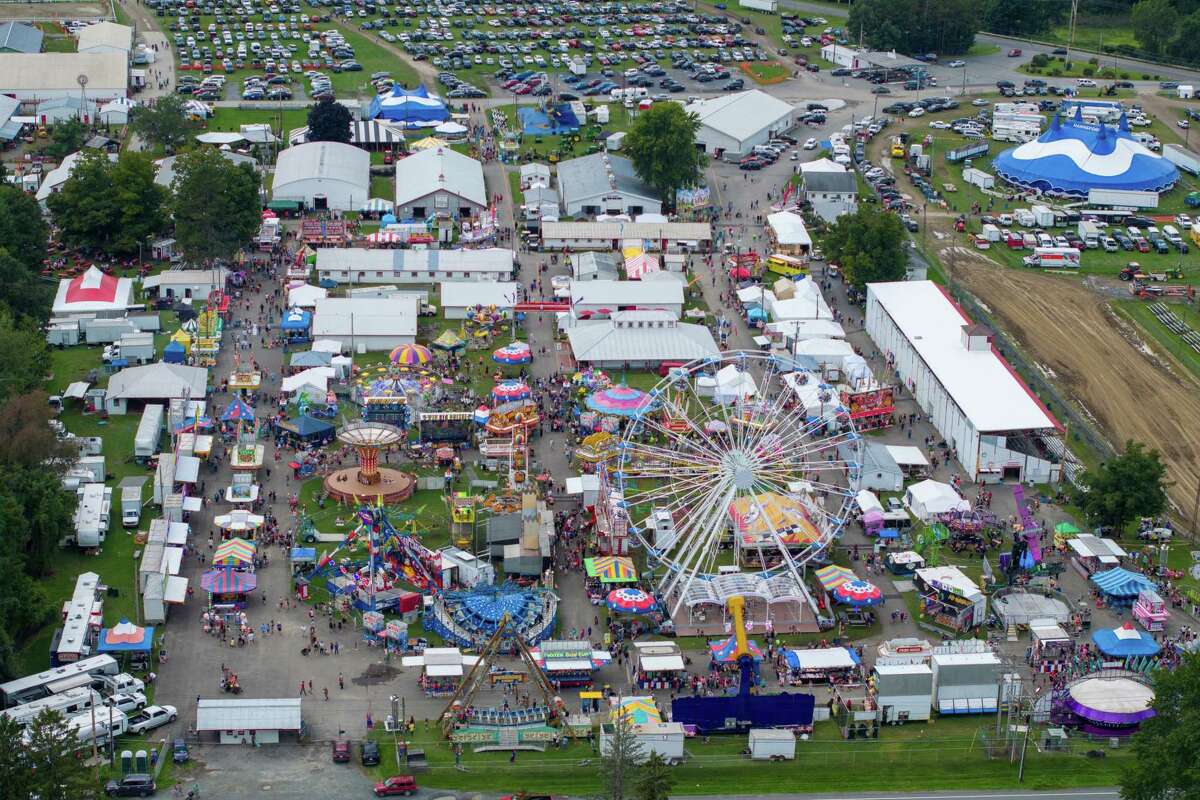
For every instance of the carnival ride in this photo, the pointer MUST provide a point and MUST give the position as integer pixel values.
(368, 479)
(392, 555)
(470, 617)
(1104, 703)
(726, 473)
(504, 728)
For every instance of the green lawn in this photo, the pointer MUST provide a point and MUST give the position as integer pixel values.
(1138, 311)
(1096, 34)
(58, 44)
(541, 148)
(231, 119)
(946, 754)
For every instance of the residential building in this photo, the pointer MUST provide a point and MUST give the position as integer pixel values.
(831, 194)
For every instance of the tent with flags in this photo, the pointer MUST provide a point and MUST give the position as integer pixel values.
(234, 553)
(415, 108)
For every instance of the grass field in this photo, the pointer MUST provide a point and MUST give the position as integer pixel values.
(1138, 311)
(1095, 33)
(947, 754)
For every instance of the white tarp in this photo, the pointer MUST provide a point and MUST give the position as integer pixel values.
(76, 390)
(830, 353)
(826, 658)
(306, 295)
(929, 498)
(733, 385)
(327, 346)
(316, 377)
(907, 455)
(176, 591)
(867, 501)
(661, 663)
(187, 469)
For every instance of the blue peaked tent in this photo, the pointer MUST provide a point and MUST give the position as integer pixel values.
(174, 353)
(1125, 642)
(295, 320)
(412, 109)
(1118, 582)
(238, 410)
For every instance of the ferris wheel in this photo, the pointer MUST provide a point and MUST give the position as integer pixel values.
(740, 465)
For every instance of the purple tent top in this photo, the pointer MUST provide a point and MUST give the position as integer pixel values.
(1108, 717)
(228, 581)
(621, 401)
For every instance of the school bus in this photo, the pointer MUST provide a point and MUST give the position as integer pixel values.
(786, 265)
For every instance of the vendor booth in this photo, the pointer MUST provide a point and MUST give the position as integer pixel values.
(1125, 642)
(1150, 610)
(950, 598)
(839, 665)
(569, 663)
(1091, 553)
(928, 499)
(903, 562)
(442, 669)
(657, 665)
(1119, 588)
(1051, 647)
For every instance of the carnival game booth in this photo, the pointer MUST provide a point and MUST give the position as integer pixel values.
(903, 562)
(296, 325)
(723, 657)
(602, 573)
(950, 598)
(1150, 610)
(840, 665)
(569, 663)
(442, 669)
(1051, 646)
(657, 666)
(1119, 588)
(902, 692)
(966, 683)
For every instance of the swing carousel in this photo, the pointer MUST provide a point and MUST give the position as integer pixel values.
(368, 479)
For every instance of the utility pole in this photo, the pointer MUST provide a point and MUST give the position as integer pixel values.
(1071, 37)
(1025, 745)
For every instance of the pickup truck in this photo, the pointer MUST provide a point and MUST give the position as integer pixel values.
(152, 717)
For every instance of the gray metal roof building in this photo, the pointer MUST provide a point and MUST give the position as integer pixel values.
(603, 183)
(830, 182)
(165, 175)
(258, 715)
(42, 76)
(616, 343)
(18, 37)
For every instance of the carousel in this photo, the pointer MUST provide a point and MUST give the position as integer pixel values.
(368, 479)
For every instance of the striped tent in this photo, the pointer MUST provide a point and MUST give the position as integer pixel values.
(234, 553)
(228, 581)
(639, 265)
(377, 205)
(834, 576)
(611, 569)
(638, 710)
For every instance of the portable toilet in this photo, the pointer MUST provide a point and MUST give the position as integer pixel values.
(1186, 91)
(141, 761)
(126, 762)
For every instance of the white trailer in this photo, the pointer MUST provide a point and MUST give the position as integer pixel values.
(145, 442)
(772, 744)
(769, 6)
(1183, 158)
(664, 738)
(68, 703)
(100, 724)
(92, 514)
(52, 681)
(1024, 217)
(1043, 217)
(903, 692)
(107, 331)
(1090, 232)
(978, 177)
(1121, 198)
(991, 232)
(131, 506)
(135, 348)
(965, 683)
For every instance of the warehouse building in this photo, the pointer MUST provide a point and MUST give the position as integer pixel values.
(35, 77)
(323, 176)
(639, 340)
(596, 299)
(18, 37)
(661, 236)
(439, 182)
(165, 167)
(357, 265)
(996, 426)
(604, 184)
(732, 125)
(460, 298)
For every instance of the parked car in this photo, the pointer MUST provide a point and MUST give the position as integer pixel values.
(341, 751)
(396, 785)
(369, 754)
(810, 143)
(133, 785)
(179, 751)
(127, 701)
(1014, 53)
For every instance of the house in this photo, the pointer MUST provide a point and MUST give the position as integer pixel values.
(165, 174)
(880, 472)
(323, 176)
(94, 293)
(367, 324)
(732, 125)
(439, 182)
(593, 266)
(195, 283)
(462, 297)
(639, 340)
(831, 194)
(106, 37)
(154, 383)
(598, 299)
(602, 183)
(996, 426)
(359, 265)
(788, 233)
(19, 37)
(534, 174)
(43, 76)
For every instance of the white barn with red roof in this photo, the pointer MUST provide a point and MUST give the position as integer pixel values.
(94, 293)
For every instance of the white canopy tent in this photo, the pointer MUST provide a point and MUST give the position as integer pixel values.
(929, 498)
(306, 295)
(733, 385)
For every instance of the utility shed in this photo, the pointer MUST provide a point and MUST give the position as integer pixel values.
(772, 744)
(257, 721)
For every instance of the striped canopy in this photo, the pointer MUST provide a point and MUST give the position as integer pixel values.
(611, 569)
(833, 576)
(234, 553)
(411, 355)
(228, 581)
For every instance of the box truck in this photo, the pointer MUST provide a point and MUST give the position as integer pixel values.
(131, 506)
(1181, 157)
(145, 442)
(769, 6)
(1053, 258)
(1043, 217)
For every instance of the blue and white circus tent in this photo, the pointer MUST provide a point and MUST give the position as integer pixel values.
(412, 109)
(1072, 157)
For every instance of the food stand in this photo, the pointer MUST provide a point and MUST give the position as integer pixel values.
(950, 598)
(903, 562)
(657, 665)
(1091, 554)
(1051, 648)
(839, 665)
(1150, 610)
(569, 663)
(442, 669)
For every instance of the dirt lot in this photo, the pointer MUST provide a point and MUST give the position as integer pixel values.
(54, 11)
(1099, 359)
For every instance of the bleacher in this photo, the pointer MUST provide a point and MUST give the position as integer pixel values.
(1176, 326)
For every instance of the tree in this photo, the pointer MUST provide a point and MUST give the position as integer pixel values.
(23, 229)
(217, 206)
(66, 138)
(15, 776)
(1185, 46)
(661, 143)
(915, 26)
(1019, 17)
(164, 124)
(24, 364)
(618, 765)
(1128, 486)
(109, 207)
(329, 121)
(655, 780)
(869, 245)
(1166, 751)
(50, 754)
(1153, 23)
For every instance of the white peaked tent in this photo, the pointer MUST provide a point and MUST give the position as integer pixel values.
(929, 498)
(734, 385)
